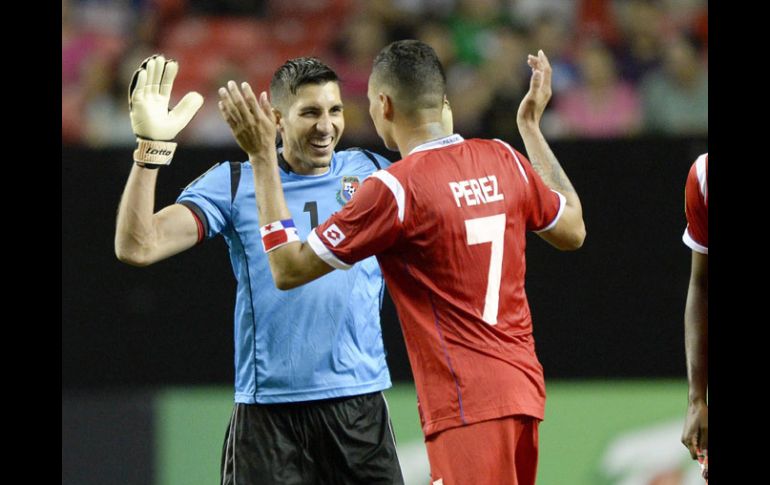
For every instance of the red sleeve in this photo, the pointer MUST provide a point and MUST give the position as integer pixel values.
(367, 225)
(696, 235)
(544, 206)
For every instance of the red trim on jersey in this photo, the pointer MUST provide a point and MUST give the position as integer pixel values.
(198, 224)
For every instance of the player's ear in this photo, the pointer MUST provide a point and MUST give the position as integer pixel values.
(386, 105)
(278, 119)
(446, 116)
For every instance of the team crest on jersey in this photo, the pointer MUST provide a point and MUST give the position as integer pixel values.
(349, 186)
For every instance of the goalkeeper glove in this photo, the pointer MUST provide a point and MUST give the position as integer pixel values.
(153, 123)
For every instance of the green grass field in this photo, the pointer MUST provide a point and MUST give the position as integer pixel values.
(582, 419)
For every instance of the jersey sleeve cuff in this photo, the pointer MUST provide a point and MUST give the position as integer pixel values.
(693, 244)
(323, 252)
(200, 219)
(562, 205)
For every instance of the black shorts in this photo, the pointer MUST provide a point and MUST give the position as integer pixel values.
(328, 442)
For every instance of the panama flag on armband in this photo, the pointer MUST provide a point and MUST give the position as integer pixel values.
(277, 234)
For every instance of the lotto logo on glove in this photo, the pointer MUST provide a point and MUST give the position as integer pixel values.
(148, 97)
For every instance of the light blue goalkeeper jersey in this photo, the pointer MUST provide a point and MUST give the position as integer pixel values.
(320, 340)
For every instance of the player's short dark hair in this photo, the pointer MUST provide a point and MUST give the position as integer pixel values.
(295, 73)
(412, 69)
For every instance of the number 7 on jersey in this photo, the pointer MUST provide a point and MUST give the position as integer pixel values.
(482, 230)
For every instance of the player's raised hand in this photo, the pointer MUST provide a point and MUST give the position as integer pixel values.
(251, 120)
(534, 102)
(153, 123)
(148, 97)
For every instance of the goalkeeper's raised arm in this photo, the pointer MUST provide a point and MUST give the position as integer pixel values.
(143, 237)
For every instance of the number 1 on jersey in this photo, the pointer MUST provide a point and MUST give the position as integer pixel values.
(490, 229)
(312, 208)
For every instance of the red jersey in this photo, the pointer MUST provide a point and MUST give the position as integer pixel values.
(696, 236)
(448, 226)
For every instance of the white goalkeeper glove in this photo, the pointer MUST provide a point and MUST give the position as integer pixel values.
(153, 123)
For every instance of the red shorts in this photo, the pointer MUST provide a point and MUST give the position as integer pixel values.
(500, 451)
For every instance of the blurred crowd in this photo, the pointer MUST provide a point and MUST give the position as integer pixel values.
(622, 68)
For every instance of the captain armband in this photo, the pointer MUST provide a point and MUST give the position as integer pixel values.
(277, 234)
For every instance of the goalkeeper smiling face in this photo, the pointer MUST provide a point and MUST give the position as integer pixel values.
(305, 94)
